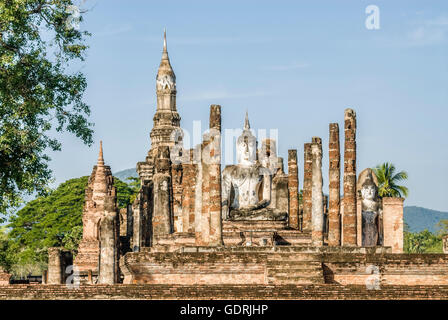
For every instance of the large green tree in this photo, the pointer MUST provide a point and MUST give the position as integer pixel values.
(38, 91)
(52, 220)
(389, 179)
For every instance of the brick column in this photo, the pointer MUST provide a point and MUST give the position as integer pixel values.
(54, 266)
(215, 202)
(188, 194)
(162, 219)
(204, 228)
(349, 227)
(393, 224)
(198, 203)
(108, 272)
(307, 183)
(317, 211)
(334, 217)
(293, 188)
(176, 178)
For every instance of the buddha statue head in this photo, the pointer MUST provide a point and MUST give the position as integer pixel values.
(246, 146)
(368, 189)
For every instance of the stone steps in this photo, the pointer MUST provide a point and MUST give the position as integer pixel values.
(237, 226)
(294, 268)
(206, 292)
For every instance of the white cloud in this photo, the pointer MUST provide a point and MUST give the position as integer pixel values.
(430, 32)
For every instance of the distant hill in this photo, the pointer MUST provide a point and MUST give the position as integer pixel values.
(124, 174)
(419, 218)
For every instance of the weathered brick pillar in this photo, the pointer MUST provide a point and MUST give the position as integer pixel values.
(307, 184)
(198, 203)
(55, 275)
(44, 276)
(215, 177)
(5, 277)
(349, 225)
(293, 189)
(317, 212)
(162, 217)
(177, 176)
(108, 266)
(188, 186)
(334, 216)
(205, 213)
(393, 223)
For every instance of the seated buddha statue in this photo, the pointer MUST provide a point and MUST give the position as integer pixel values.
(246, 186)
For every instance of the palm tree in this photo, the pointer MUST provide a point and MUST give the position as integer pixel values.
(388, 179)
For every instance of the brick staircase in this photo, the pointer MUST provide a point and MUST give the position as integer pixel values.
(221, 292)
(294, 268)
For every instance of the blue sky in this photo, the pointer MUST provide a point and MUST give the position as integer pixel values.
(294, 65)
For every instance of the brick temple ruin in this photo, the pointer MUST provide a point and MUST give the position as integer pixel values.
(195, 223)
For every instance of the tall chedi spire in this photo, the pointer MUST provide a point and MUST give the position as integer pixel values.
(166, 118)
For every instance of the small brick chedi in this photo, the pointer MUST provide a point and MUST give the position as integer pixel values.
(195, 223)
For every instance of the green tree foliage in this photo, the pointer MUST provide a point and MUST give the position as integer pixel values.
(422, 242)
(442, 227)
(3, 247)
(38, 92)
(135, 184)
(388, 180)
(52, 220)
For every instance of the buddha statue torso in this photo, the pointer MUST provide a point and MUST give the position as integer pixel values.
(246, 186)
(371, 214)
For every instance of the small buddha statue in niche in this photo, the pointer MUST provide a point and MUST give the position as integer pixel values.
(371, 213)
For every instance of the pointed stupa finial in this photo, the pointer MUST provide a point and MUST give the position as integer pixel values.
(246, 122)
(164, 40)
(100, 155)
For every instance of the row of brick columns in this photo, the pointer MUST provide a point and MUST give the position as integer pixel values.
(342, 224)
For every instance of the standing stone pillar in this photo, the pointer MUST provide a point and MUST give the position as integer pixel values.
(177, 177)
(334, 217)
(108, 265)
(293, 189)
(393, 223)
(307, 184)
(204, 228)
(198, 203)
(317, 212)
(5, 277)
(162, 218)
(55, 275)
(215, 202)
(188, 196)
(349, 226)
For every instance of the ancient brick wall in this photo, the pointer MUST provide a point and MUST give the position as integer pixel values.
(221, 292)
(387, 269)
